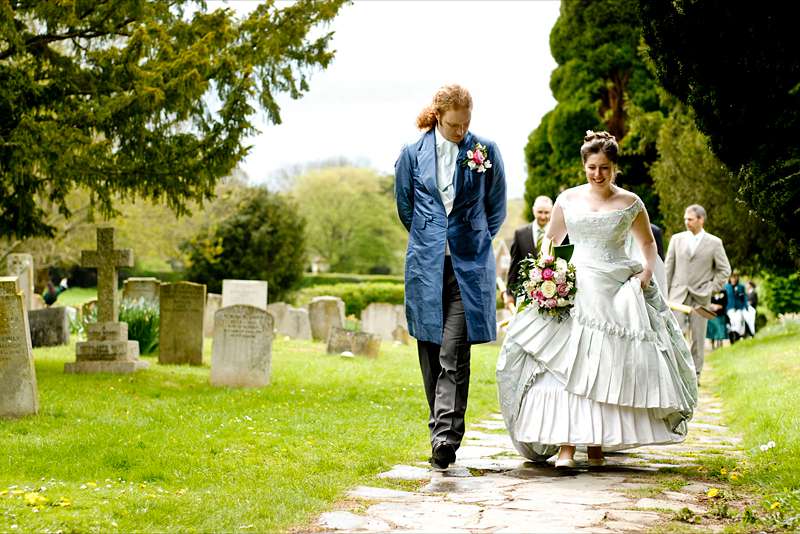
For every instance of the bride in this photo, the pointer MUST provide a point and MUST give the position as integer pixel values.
(617, 373)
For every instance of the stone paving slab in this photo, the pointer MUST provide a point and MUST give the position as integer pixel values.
(491, 488)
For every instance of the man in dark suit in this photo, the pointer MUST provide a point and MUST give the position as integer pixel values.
(527, 240)
(659, 236)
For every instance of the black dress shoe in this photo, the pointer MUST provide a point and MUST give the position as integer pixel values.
(443, 455)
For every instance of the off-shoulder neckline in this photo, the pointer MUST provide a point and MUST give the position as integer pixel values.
(626, 208)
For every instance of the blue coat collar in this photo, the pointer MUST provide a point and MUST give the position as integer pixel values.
(427, 162)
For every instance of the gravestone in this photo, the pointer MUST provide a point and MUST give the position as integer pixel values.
(278, 310)
(21, 266)
(296, 324)
(325, 313)
(241, 354)
(250, 292)
(339, 341)
(400, 335)
(108, 349)
(382, 319)
(37, 302)
(88, 308)
(180, 327)
(213, 303)
(18, 393)
(361, 343)
(366, 344)
(502, 260)
(49, 327)
(146, 288)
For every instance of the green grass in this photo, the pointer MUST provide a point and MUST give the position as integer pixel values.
(759, 382)
(75, 296)
(161, 450)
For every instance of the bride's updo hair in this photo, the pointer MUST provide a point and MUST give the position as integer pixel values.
(596, 142)
(446, 98)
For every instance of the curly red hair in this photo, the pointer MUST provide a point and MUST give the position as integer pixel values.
(447, 97)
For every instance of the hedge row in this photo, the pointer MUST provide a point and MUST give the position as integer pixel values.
(355, 296)
(328, 279)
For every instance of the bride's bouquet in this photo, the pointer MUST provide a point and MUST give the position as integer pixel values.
(549, 282)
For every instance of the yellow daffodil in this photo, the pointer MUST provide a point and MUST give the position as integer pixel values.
(713, 492)
(774, 505)
(723, 471)
(35, 499)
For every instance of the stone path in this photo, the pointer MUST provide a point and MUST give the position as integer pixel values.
(492, 489)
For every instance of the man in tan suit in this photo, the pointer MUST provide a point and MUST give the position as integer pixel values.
(696, 267)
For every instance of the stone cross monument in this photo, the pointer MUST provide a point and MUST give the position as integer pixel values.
(108, 349)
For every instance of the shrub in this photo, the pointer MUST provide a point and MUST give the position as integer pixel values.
(782, 293)
(355, 296)
(143, 319)
(263, 239)
(141, 316)
(325, 279)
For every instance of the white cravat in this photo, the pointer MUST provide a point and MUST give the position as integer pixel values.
(694, 240)
(446, 155)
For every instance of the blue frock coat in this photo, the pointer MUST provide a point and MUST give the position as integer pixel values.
(479, 210)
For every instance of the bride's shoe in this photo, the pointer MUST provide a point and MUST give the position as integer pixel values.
(565, 463)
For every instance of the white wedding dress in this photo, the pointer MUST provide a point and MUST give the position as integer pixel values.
(617, 373)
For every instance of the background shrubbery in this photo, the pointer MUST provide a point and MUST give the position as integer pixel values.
(782, 293)
(355, 296)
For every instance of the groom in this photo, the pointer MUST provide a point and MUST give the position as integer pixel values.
(451, 197)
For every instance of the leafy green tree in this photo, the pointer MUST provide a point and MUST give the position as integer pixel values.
(136, 98)
(600, 76)
(261, 239)
(352, 219)
(737, 67)
(687, 172)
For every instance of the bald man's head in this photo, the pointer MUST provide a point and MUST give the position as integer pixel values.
(542, 209)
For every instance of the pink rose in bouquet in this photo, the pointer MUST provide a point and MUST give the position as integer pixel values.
(547, 274)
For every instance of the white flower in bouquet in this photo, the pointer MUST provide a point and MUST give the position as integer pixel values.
(561, 265)
(559, 277)
(549, 289)
(562, 302)
(536, 275)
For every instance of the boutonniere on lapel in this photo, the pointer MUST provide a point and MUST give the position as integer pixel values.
(477, 159)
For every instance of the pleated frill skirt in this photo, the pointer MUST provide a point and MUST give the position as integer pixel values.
(617, 373)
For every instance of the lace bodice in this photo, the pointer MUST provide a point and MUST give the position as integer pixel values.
(601, 235)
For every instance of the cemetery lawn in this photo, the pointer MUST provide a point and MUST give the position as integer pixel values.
(759, 382)
(161, 450)
(75, 296)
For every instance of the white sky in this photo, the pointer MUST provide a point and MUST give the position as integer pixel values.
(391, 56)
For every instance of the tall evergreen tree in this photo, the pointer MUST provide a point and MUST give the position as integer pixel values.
(139, 98)
(736, 65)
(600, 76)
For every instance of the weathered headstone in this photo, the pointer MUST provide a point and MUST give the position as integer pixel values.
(366, 344)
(21, 266)
(296, 324)
(18, 393)
(382, 319)
(241, 354)
(213, 303)
(146, 288)
(400, 335)
(339, 341)
(324, 314)
(37, 302)
(250, 292)
(502, 260)
(108, 349)
(361, 343)
(278, 310)
(49, 327)
(180, 330)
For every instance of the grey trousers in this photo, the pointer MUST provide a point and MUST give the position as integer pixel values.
(695, 326)
(445, 367)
